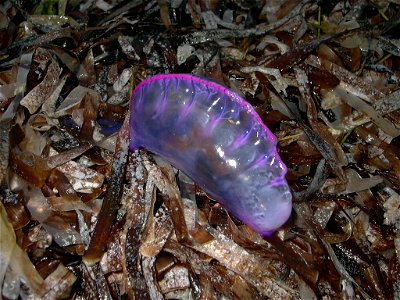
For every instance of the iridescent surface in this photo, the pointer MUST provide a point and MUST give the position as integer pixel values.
(215, 137)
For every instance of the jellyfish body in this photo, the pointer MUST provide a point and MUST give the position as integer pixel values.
(217, 139)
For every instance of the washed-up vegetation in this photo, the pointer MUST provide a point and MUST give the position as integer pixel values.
(81, 217)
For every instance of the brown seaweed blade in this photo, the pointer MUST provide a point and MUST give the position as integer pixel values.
(4, 148)
(110, 204)
(15, 258)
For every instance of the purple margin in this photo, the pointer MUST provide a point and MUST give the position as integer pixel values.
(234, 96)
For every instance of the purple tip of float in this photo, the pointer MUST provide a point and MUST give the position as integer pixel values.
(267, 234)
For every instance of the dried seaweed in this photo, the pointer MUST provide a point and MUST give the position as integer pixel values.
(81, 217)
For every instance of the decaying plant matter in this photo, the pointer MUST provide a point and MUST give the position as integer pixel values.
(81, 217)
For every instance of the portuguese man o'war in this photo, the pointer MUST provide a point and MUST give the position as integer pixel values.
(217, 139)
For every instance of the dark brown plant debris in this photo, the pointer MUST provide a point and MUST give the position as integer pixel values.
(81, 217)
